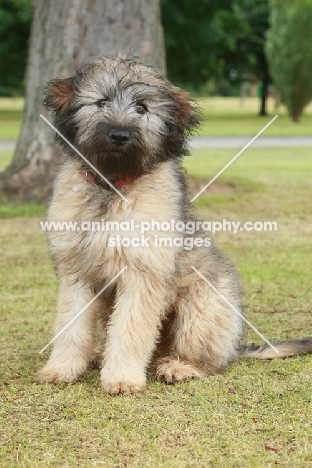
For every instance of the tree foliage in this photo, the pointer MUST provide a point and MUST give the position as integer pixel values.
(289, 51)
(15, 17)
(204, 40)
(198, 37)
(250, 44)
(250, 52)
(207, 39)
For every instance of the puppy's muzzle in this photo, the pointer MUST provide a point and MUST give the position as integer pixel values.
(119, 137)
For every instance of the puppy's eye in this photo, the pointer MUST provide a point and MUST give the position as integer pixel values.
(102, 102)
(141, 108)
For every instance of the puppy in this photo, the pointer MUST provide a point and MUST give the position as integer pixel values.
(131, 126)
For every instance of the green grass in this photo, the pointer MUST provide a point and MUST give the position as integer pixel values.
(17, 211)
(5, 159)
(266, 423)
(256, 165)
(11, 112)
(9, 129)
(226, 116)
(238, 125)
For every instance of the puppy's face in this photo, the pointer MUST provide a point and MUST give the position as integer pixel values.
(121, 115)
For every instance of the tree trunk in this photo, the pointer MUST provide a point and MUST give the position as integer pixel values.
(295, 117)
(64, 35)
(265, 84)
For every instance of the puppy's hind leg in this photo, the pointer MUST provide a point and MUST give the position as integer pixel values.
(74, 347)
(204, 335)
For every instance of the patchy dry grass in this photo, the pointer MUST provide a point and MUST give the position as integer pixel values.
(258, 414)
(11, 210)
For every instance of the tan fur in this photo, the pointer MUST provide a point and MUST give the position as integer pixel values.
(144, 291)
(159, 309)
(74, 348)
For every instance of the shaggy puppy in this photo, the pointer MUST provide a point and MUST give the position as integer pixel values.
(132, 125)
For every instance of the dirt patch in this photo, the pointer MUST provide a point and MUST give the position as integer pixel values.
(196, 184)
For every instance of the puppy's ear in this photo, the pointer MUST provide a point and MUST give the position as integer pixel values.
(58, 93)
(188, 112)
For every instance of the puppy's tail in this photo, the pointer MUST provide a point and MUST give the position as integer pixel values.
(285, 349)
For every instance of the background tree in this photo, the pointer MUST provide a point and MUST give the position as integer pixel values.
(289, 52)
(64, 35)
(250, 53)
(198, 38)
(207, 40)
(15, 17)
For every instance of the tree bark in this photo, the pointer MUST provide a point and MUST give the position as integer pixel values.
(64, 35)
(295, 117)
(265, 83)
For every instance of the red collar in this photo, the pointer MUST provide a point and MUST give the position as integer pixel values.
(95, 179)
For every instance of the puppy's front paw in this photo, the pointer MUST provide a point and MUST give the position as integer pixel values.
(52, 373)
(122, 388)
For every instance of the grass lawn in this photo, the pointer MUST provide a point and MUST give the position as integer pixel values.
(10, 210)
(264, 422)
(5, 159)
(11, 112)
(222, 116)
(226, 116)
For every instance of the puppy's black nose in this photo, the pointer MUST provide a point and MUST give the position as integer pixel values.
(119, 137)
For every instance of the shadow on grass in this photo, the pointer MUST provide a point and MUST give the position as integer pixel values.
(222, 191)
